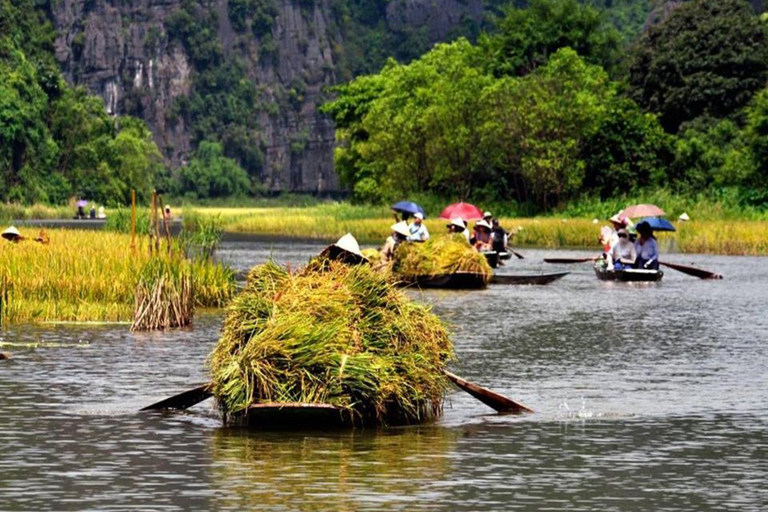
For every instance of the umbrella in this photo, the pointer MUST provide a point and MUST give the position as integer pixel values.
(82, 203)
(408, 207)
(659, 224)
(642, 210)
(465, 211)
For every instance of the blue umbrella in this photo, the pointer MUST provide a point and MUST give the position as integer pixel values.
(408, 207)
(659, 224)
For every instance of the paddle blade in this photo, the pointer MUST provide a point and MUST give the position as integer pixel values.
(693, 271)
(499, 403)
(567, 260)
(517, 254)
(183, 400)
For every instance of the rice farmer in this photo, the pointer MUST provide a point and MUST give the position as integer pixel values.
(458, 225)
(12, 234)
(482, 236)
(346, 249)
(623, 253)
(417, 229)
(400, 234)
(646, 248)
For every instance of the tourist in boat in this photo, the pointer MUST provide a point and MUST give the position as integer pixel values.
(482, 236)
(417, 229)
(458, 226)
(608, 236)
(400, 234)
(646, 248)
(623, 254)
(488, 217)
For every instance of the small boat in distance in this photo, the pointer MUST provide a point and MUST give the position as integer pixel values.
(633, 275)
(536, 279)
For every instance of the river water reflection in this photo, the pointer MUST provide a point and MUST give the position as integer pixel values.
(647, 397)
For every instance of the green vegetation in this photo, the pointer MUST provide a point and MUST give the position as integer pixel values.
(164, 295)
(331, 334)
(55, 141)
(531, 115)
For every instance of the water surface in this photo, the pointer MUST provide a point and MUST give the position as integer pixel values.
(647, 397)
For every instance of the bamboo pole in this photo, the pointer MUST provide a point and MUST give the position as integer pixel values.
(152, 213)
(133, 220)
(157, 223)
(167, 226)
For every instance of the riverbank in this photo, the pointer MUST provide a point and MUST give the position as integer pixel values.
(87, 276)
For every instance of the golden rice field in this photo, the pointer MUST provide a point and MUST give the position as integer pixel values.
(86, 276)
(372, 225)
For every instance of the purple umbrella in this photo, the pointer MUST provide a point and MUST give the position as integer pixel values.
(81, 203)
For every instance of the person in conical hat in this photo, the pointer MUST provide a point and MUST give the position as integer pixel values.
(457, 225)
(12, 234)
(346, 249)
(400, 234)
(482, 236)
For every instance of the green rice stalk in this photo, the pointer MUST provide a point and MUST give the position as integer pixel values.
(332, 334)
(164, 295)
(437, 256)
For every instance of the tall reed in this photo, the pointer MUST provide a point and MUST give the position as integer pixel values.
(164, 295)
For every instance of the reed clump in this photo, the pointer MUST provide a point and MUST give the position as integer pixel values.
(164, 295)
(89, 276)
(437, 256)
(331, 334)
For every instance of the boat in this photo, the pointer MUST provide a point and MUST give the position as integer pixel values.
(290, 415)
(455, 281)
(633, 275)
(539, 279)
(494, 257)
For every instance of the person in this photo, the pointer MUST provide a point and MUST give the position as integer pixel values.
(92, 212)
(608, 237)
(80, 214)
(167, 214)
(499, 238)
(623, 254)
(400, 234)
(458, 225)
(488, 217)
(646, 248)
(12, 234)
(482, 237)
(102, 214)
(417, 229)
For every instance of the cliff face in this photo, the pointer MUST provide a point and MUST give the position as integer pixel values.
(122, 51)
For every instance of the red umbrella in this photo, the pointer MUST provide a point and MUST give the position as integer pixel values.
(642, 210)
(465, 211)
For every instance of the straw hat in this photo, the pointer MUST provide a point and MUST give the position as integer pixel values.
(482, 224)
(457, 222)
(684, 217)
(619, 220)
(401, 228)
(487, 214)
(11, 234)
(345, 249)
(418, 215)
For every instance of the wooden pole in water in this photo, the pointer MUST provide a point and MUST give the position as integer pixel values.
(133, 220)
(166, 225)
(157, 223)
(152, 203)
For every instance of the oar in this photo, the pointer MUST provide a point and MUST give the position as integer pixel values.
(567, 260)
(494, 400)
(692, 271)
(183, 400)
(517, 254)
(499, 403)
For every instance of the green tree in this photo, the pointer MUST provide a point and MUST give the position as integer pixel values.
(211, 174)
(527, 37)
(707, 58)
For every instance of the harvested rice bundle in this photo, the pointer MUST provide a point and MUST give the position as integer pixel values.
(332, 334)
(164, 295)
(437, 256)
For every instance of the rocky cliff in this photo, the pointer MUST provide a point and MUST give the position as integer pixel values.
(161, 60)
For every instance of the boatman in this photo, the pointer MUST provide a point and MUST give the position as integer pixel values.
(400, 234)
(417, 229)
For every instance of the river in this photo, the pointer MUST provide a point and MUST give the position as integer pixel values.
(648, 397)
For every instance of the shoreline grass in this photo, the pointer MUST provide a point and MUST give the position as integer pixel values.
(88, 276)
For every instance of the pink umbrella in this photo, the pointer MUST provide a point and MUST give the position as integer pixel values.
(465, 211)
(642, 210)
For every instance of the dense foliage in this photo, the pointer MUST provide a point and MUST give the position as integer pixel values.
(531, 114)
(57, 141)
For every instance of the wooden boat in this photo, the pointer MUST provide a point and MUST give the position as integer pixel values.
(634, 275)
(455, 281)
(290, 415)
(539, 279)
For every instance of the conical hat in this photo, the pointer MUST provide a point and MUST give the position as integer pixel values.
(11, 233)
(483, 224)
(345, 249)
(458, 222)
(401, 228)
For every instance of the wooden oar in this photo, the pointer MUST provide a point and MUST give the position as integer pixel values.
(494, 400)
(499, 403)
(183, 400)
(692, 271)
(567, 260)
(517, 254)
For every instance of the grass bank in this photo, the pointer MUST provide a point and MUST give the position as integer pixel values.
(87, 276)
(329, 221)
